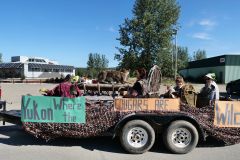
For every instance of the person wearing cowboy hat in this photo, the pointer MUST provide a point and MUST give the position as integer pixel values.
(210, 90)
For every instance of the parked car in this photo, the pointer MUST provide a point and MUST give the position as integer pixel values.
(233, 87)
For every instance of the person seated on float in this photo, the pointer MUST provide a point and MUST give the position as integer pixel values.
(64, 89)
(176, 91)
(210, 90)
(74, 88)
(139, 88)
(179, 86)
(168, 92)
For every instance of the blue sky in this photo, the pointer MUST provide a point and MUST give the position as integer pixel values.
(68, 30)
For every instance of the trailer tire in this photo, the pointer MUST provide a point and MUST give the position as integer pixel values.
(180, 137)
(137, 136)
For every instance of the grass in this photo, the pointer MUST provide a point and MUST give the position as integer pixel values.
(168, 81)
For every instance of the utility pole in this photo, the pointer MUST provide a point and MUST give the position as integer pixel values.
(175, 51)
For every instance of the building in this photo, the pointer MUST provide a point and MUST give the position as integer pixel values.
(226, 68)
(35, 67)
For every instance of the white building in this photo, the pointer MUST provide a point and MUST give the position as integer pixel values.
(36, 67)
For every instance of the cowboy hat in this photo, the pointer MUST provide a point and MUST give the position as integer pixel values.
(210, 75)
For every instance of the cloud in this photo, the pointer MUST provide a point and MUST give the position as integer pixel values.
(111, 29)
(191, 23)
(202, 36)
(207, 23)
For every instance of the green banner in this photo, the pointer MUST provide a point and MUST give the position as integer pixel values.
(53, 109)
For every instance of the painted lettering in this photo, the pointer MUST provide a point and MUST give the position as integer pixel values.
(68, 117)
(142, 104)
(221, 117)
(58, 105)
(36, 116)
(161, 104)
(53, 109)
(25, 107)
(29, 114)
(235, 118)
(228, 116)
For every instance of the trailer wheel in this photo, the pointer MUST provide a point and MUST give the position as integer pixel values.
(180, 137)
(137, 136)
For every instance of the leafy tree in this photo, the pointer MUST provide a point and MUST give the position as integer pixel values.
(165, 63)
(199, 54)
(1, 61)
(96, 63)
(183, 57)
(91, 64)
(145, 35)
(81, 71)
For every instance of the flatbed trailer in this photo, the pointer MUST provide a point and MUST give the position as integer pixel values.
(128, 120)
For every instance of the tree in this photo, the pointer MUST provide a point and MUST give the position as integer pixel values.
(91, 64)
(199, 54)
(96, 63)
(1, 61)
(145, 35)
(81, 71)
(183, 57)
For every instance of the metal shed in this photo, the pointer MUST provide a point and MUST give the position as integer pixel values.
(226, 68)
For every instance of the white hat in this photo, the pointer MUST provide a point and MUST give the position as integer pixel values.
(211, 76)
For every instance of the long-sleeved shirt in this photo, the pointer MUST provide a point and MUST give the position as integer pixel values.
(216, 91)
(65, 89)
(211, 91)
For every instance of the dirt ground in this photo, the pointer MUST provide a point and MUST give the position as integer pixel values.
(12, 93)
